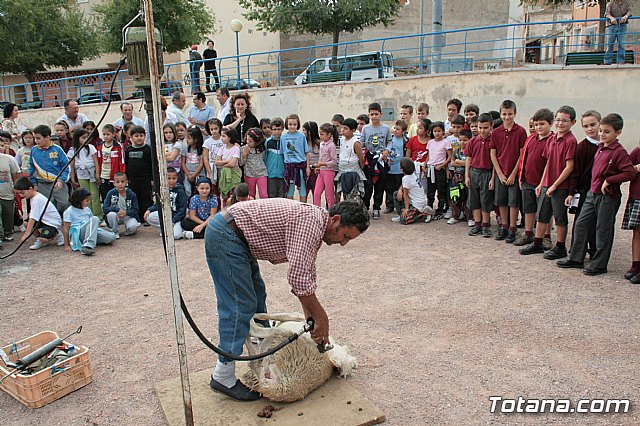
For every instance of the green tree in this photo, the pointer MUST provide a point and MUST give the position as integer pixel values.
(556, 3)
(42, 34)
(320, 17)
(182, 22)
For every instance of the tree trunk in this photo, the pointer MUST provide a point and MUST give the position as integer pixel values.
(602, 26)
(334, 49)
(31, 78)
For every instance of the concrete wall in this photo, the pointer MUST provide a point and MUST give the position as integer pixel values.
(606, 90)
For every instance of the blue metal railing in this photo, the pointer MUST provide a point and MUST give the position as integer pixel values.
(504, 46)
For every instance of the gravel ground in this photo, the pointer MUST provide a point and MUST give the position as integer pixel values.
(439, 322)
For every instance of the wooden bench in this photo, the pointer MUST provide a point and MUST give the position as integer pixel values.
(595, 58)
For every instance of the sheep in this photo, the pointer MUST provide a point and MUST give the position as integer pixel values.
(296, 370)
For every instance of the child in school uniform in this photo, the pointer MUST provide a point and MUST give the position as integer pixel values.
(554, 187)
(507, 142)
(479, 177)
(410, 200)
(530, 169)
(631, 219)
(611, 167)
(580, 180)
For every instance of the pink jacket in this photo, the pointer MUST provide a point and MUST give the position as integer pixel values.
(328, 155)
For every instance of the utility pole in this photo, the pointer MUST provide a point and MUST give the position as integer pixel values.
(438, 37)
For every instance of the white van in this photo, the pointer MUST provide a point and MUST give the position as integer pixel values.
(359, 67)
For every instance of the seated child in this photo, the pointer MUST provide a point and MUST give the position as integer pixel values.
(46, 221)
(178, 205)
(238, 194)
(81, 229)
(412, 196)
(202, 207)
(121, 207)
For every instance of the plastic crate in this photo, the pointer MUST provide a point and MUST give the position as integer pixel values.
(45, 386)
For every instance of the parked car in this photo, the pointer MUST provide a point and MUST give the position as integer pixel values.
(232, 83)
(96, 98)
(357, 67)
(167, 88)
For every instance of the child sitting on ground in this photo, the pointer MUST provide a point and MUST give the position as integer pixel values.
(48, 226)
(121, 207)
(238, 194)
(202, 207)
(178, 205)
(411, 196)
(81, 229)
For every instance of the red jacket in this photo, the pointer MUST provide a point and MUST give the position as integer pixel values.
(117, 159)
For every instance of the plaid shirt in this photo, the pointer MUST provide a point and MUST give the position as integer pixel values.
(281, 230)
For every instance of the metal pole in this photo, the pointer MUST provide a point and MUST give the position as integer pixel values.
(421, 37)
(155, 126)
(436, 28)
(238, 56)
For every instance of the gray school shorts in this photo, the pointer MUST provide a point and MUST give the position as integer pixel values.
(506, 195)
(553, 206)
(529, 199)
(480, 197)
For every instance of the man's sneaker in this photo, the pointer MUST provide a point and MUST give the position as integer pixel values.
(447, 214)
(117, 236)
(8, 238)
(452, 221)
(239, 391)
(523, 240)
(428, 218)
(556, 253)
(396, 218)
(532, 248)
(389, 210)
(87, 251)
(376, 214)
(486, 232)
(471, 223)
(187, 235)
(547, 244)
(502, 234)
(476, 230)
(511, 237)
(59, 239)
(38, 244)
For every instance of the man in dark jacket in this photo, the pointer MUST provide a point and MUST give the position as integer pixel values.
(209, 55)
(195, 63)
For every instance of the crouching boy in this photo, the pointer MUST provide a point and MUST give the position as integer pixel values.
(611, 167)
(178, 205)
(411, 196)
(121, 207)
(49, 226)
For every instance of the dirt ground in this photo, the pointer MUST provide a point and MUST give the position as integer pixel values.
(439, 321)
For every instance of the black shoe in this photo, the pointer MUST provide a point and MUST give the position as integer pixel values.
(556, 253)
(511, 237)
(389, 210)
(476, 230)
(486, 232)
(8, 238)
(521, 225)
(594, 271)
(239, 391)
(502, 234)
(629, 275)
(532, 248)
(568, 263)
(635, 279)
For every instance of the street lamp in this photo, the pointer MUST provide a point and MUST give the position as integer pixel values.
(236, 27)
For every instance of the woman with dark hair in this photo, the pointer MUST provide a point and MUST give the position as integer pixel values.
(240, 116)
(10, 113)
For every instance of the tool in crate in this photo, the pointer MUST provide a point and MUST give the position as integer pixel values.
(54, 351)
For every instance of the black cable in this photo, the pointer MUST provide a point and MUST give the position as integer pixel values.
(76, 152)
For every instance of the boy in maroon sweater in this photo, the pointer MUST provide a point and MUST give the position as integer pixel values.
(611, 167)
(580, 180)
(554, 187)
(479, 177)
(507, 142)
(530, 170)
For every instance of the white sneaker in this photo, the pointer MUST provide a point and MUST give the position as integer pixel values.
(22, 228)
(452, 221)
(447, 215)
(187, 235)
(471, 223)
(428, 218)
(461, 217)
(38, 244)
(59, 239)
(117, 236)
(396, 219)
